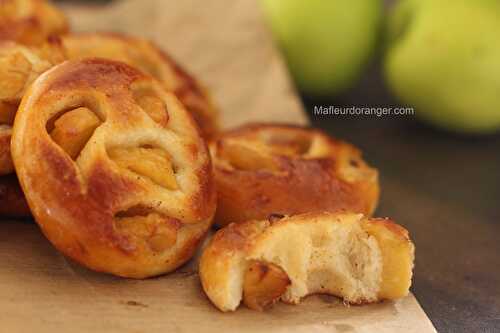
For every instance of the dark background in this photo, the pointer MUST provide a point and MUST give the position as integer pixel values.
(445, 189)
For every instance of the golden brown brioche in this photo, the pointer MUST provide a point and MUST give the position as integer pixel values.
(261, 169)
(30, 22)
(12, 201)
(149, 58)
(114, 169)
(360, 260)
(19, 67)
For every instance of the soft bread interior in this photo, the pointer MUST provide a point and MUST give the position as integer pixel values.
(324, 256)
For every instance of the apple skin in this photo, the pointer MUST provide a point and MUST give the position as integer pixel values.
(443, 58)
(326, 43)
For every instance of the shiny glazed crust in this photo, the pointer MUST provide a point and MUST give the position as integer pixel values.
(261, 169)
(30, 22)
(148, 57)
(103, 208)
(361, 260)
(19, 67)
(12, 201)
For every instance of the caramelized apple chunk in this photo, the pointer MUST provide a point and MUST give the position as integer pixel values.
(263, 285)
(288, 146)
(15, 70)
(153, 106)
(156, 230)
(247, 157)
(398, 255)
(152, 163)
(73, 129)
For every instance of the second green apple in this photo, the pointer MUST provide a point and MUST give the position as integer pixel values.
(443, 58)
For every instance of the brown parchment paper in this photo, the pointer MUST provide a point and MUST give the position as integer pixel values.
(225, 44)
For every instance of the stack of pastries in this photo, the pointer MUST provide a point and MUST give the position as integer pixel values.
(121, 162)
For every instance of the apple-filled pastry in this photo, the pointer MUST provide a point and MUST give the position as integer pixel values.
(114, 168)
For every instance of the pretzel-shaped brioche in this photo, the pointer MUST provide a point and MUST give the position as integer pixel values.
(113, 182)
(287, 258)
(19, 67)
(147, 57)
(30, 22)
(261, 169)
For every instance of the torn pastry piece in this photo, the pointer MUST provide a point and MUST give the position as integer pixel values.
(150, 59)
(19, 67)
(12, 201)
(361, 260)
(30, 22)
(261, 169)
(119, 184)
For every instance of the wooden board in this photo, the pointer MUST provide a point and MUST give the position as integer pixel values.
(226, 44)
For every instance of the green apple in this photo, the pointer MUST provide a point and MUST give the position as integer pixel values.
(326, 43)
(443, 58)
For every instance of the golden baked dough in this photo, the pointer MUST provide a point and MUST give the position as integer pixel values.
(19, 67)
(30, 22)
(147, 57)
(261, 169)
(360, 260)
(113, 182)
(12, 201)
